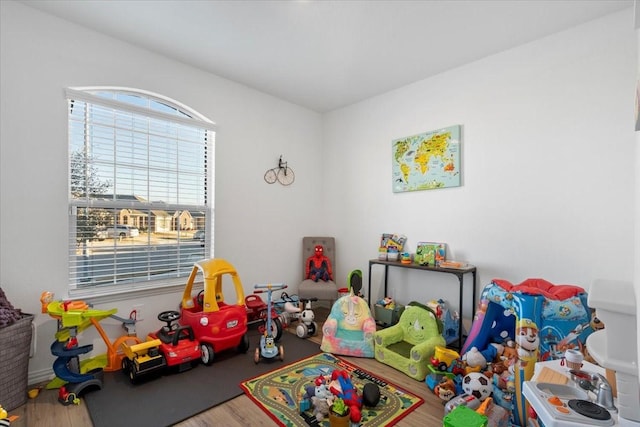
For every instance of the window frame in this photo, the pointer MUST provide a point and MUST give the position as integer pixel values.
(181, 115)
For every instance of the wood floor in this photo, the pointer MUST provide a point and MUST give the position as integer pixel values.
(45, 411)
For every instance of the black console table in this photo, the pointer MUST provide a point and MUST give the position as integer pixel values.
(458, 272)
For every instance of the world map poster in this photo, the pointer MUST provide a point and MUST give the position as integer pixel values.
(427, 161)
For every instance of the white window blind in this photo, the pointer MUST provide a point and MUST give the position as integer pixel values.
(140, 186)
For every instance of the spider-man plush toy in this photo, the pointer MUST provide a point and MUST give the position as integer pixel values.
(319, 266)
(347, 391)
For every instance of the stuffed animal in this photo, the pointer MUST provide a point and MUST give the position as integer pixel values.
(319, 389)
(319, 266)
(476, 361)
(348, 393)
(321, 407)
(446, 389)
(509, 351)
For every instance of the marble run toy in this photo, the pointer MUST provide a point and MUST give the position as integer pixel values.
(73, 376)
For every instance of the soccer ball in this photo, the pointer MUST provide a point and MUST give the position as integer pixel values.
(478, 385)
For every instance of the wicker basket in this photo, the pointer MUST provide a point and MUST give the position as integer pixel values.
(15, 342)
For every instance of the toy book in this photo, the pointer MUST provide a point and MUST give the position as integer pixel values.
(430, 253)
(397, 240)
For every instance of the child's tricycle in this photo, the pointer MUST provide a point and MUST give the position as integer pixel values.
(257, 312)
(268, 348)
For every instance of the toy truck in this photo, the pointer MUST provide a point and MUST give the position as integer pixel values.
(142, 358)
(447, 360)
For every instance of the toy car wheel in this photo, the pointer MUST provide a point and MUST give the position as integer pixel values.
(281, 352)
(244, 344)
(206, 353)
(126, 365)
(313, 329)
(133, 375)
(302, 331)
(276, 329)
(256, 356)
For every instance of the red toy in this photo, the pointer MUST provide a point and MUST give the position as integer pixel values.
(319, 266)
(179, 345)
(217, 324)
(257, 312)
(347, 392)
(172, 345)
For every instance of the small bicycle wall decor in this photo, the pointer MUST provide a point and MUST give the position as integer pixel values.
(282, 173)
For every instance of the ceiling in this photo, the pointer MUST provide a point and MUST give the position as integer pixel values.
(326, 54)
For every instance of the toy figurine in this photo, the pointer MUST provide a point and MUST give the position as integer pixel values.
(343, 387)
(319, 266)
(321, 407)
(445, 389)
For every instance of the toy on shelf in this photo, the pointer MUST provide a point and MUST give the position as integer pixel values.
(217, 324)
(396, 240)
(430, 253)
(75, 376)
(268, 348)
(171, 346)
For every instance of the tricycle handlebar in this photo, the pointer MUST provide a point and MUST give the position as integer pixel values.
(263, 287)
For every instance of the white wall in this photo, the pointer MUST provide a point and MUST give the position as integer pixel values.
(548, 163)
(259, 227)
(548, 166)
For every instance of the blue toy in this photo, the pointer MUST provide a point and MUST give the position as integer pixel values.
(268, 348)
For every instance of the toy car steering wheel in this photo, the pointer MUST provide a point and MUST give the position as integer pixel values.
(200, 298)
(169, 317)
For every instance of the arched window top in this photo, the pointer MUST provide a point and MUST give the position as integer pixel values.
(141, 100)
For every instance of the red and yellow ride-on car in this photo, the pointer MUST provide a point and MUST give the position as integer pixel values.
(216, 324)
(171, 346)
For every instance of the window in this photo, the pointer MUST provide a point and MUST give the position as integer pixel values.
(140, 190)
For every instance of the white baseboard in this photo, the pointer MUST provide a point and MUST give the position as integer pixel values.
(43, 375)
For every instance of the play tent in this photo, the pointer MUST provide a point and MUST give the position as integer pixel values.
(559, 314)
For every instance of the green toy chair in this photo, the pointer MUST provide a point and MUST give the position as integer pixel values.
(409, 345)
(354, 281)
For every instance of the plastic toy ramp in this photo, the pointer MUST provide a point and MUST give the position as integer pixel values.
(75, 314)
(60, 366)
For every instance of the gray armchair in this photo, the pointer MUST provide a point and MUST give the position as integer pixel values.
(311, 289)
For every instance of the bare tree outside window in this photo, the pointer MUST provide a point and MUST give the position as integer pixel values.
(85, 183)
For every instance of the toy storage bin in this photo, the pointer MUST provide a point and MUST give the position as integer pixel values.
(387, 316)
(14, 362)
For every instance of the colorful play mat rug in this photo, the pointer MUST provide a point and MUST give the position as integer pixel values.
(277, 392)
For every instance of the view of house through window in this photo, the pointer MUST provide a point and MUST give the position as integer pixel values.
(140, 189)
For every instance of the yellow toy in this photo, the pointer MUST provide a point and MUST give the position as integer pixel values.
(72, 375)
(216, 324)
